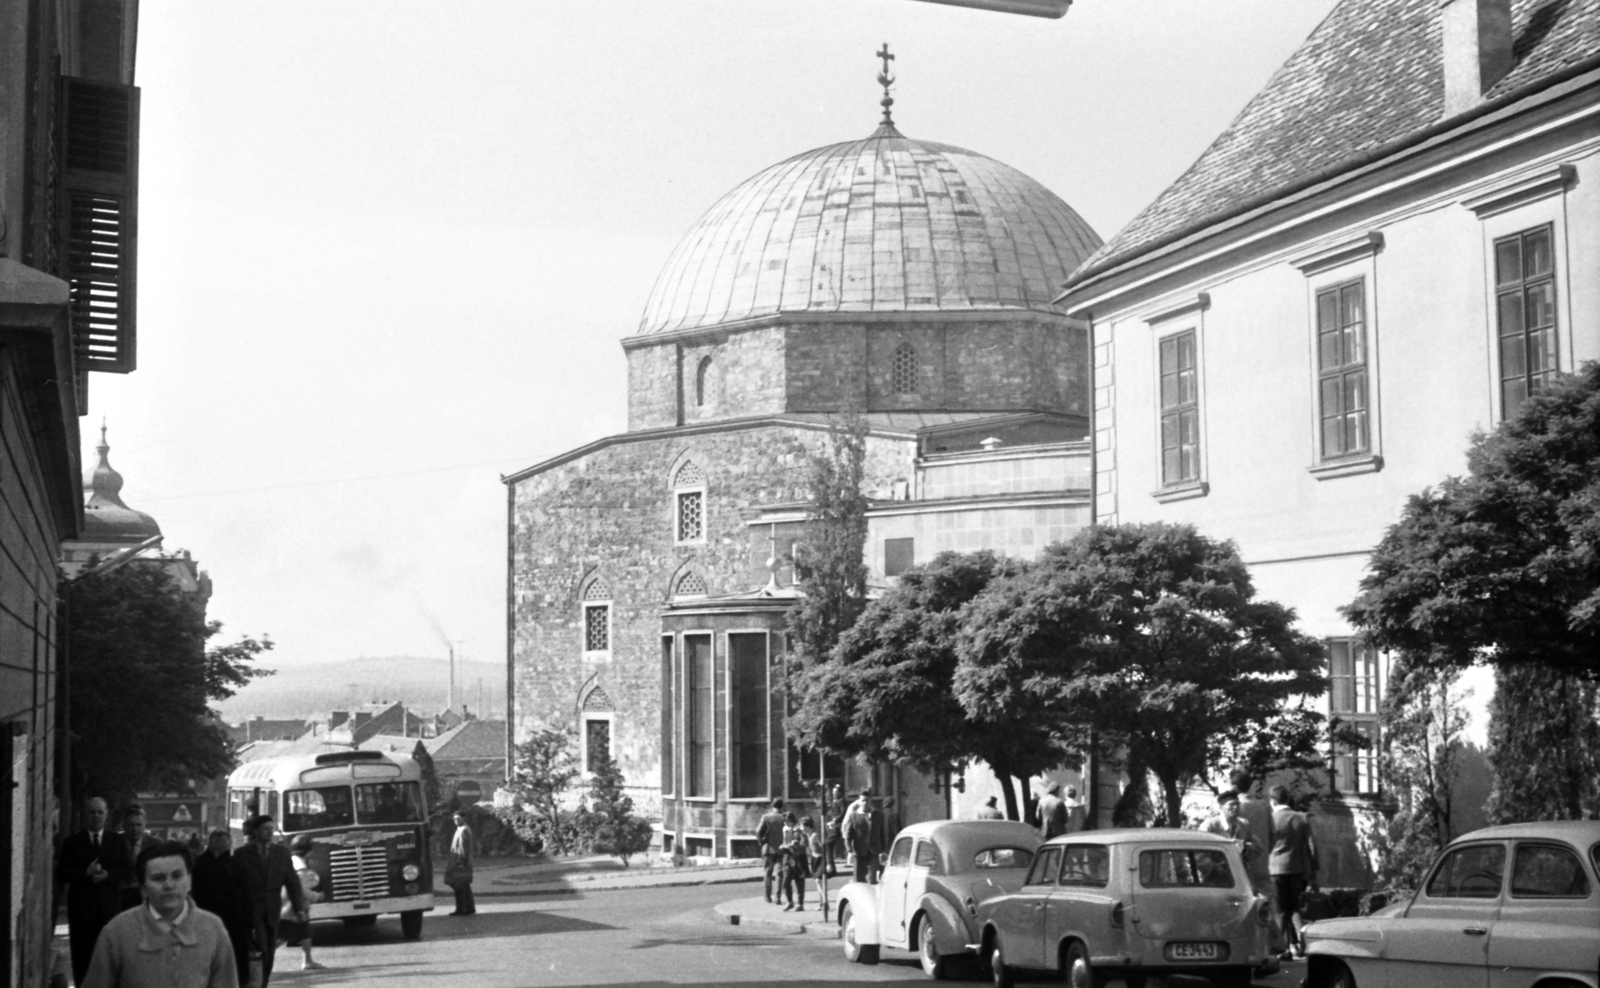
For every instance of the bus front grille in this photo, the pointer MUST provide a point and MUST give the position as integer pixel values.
(359, 872)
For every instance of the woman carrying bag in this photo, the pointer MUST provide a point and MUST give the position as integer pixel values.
(458, 867)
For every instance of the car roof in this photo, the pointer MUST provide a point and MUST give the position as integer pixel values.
(959, 840)
(1140, 835)
(1577, 831)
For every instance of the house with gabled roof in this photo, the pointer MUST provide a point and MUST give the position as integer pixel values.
(1392, 245)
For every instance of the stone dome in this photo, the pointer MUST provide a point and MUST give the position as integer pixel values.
(885, 224)
(105, 518)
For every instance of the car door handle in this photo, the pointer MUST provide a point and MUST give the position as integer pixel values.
(1476, 931)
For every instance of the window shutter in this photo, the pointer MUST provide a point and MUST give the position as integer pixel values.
(99, 213)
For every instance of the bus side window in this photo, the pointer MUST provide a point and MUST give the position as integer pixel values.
(272, 804)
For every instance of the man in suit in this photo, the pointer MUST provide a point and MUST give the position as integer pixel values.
(1052, 812)
(92, 864)
(220, 887)
(769, 834)
(1077, 813)
(1293, 863)
(269, 872)
(133, 833)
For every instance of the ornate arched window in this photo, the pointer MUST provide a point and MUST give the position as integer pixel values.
(690, 585)
(689, 504)
(904, 370)
(596, 612)
(598, 715)
(701, 374)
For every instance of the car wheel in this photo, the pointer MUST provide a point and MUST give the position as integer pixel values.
(999, 972)
(1080, 973)
(1335, 975)
(933, 965)
(411, 924)
(854, 951)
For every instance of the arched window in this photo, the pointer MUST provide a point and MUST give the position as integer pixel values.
(904, 370)
(701, 373)
(597, 716)
(596, 608)
(690, 585)
(689, 504)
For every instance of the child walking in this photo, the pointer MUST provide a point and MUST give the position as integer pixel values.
(814, 860)
(795, 859)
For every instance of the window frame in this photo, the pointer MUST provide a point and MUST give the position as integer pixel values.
(1331, 267)
(1176, 410)
(1520, 287)
(910, 544)
(669, 714)
(1365, 682)
(691, 791)
(702, 372)
(678, 496)
(1426, 889)
(905, 349)
(732, 697)
(585, 718)
(585, 606)
(1341, 373)
(1552, 844)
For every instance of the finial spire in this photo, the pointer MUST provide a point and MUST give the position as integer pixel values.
(886, 80)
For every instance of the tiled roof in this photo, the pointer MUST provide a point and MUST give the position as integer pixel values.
(1369, 76)
(474, 739)
(885, 224)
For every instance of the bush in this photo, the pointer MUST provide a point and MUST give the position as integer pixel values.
(495, 836)
(608, 821)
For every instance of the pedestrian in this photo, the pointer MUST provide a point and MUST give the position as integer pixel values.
(833, 830)
(269, 874)
(1257, 812)
(769, 834)
(815, 856)
(1228, 823)
(989, 810)
(795, 860)
(133, 831)
(877, 837)
(1293, 864)
(167, 940)
(92, 864)
(857, 829)
(219, 887)
(1077, 813)
(1052, 811)
(295, 932)
(458, 866)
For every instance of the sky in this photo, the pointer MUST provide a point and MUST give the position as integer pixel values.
(388, 249)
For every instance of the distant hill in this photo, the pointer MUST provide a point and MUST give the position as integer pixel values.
(424, 685)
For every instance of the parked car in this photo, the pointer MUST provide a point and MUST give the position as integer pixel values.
(1130, 904)
(934, 878)
(1507, 907)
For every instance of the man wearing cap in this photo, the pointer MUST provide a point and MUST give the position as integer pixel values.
(1077, 813)
(1052, 811)
(990, 811)
(857, 826)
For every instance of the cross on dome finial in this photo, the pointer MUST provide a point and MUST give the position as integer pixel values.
(886, 80)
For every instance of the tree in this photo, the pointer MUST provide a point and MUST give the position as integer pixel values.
(887, 689)
(1424, 728)
(612, 827)
(542, 771)
(835, 543)
(1143, 637)
(140, 683)
(1544, 746)
(1503, 565)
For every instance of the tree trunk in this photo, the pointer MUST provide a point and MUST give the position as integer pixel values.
(1129, 809)
(1003, 776)
(1169, 789)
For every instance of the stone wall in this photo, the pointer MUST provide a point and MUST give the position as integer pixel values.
(609, 514)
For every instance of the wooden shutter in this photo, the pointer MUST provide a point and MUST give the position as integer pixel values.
(99, 215)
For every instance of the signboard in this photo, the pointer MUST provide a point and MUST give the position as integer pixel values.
(468, 791)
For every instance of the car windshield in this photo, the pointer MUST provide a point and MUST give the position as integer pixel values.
(312, 809)
(1002, 857)
(1178, 867)
(389, 802)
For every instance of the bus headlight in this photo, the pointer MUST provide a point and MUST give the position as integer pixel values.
(410, 872)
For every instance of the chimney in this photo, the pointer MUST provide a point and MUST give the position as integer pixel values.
(337, 718)
(1477, 50)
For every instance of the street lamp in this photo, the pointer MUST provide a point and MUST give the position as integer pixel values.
(106, 565)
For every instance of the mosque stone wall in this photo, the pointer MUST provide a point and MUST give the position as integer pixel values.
(653, 400)
(745, 376)
(609, 513)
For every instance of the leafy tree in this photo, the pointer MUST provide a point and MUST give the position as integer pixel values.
(1424, 727)
(1544, 746)
(835, 543)
(140, 682)
(1146, 638)
(887, 689)
(542, 771)
(612, 827)
(1502, 565)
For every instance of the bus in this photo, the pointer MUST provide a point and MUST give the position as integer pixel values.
(369, 834)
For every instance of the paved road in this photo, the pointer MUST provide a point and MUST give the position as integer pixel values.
(652, 938)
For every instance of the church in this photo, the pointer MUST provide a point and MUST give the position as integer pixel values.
(907, 281)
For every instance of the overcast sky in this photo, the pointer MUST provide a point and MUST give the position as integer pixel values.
(387, 250)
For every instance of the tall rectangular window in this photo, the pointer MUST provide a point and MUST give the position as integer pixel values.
(1180, 410)
(668, 716)
(596, 739)
(1354, 698)
(1525, 314)
(747, 674)
(691, 516)
(597, 627)
(1342, 369)
(702, 716)
(897, 555)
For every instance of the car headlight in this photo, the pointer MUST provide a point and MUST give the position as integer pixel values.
(410, 872)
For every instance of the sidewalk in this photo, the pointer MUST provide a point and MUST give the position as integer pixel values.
(756, 911)
(543, 876)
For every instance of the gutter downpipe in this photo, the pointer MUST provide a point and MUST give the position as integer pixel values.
(1091, 759)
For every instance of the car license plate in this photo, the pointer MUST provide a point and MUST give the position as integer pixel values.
(1197, 952)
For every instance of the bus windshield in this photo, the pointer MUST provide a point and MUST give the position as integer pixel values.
(312, 809)
(389, 802)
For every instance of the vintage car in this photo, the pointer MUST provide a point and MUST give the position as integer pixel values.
(935, 876)
(1130, 905)
(1506, 907)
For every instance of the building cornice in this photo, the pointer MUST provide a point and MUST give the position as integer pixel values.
(697, 334)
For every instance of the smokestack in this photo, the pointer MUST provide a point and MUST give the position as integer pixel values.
(1477, 50)
(451, 705)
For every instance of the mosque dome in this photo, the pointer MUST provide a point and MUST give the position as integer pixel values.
(105, 518)
(885, 224)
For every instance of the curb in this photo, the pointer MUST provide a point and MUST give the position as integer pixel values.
(757, 912)
(608, 884)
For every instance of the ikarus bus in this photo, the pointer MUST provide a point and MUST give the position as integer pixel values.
(369, 836)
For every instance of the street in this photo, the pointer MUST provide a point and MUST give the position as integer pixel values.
(652, 936)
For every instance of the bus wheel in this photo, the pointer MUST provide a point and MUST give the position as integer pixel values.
(411, 924)
(368, 920)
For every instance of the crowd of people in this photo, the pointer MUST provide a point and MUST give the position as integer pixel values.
(143, 911)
